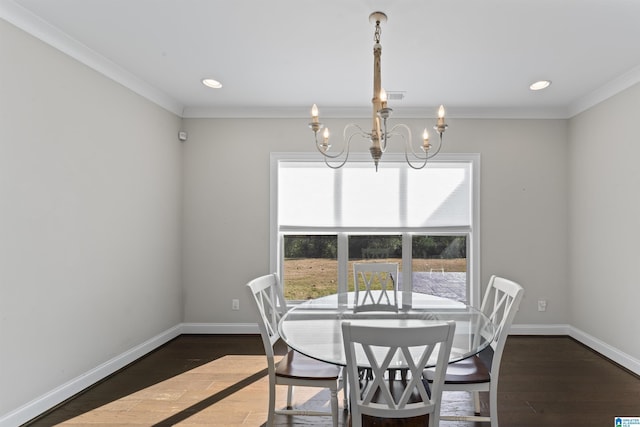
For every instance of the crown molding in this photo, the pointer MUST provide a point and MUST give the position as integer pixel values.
(51, 35)
(549, 112)
(610, 89)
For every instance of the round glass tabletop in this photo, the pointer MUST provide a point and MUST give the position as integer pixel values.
(314, 327)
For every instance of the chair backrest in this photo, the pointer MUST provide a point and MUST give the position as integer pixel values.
(500, 304)
(370, 275)
(418, 347)
(270, 303)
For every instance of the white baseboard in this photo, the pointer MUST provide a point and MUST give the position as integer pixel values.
(60, 394)
(220, 328)
(553, 329)
(623, 359)
(63, 392)
(620, 357)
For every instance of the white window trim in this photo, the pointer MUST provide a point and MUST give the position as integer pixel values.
(474, 288)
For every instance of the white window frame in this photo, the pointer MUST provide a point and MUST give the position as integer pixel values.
(276, 237)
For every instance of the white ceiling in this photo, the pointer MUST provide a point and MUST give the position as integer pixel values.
(276, 58)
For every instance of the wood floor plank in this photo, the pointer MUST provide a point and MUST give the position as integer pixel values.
(220, 380)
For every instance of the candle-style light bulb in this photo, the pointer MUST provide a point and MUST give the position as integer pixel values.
(324, 145)
(383, 97)
(441, 126)
(425, 141)
(314, 113)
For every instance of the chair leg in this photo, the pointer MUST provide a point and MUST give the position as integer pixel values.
(356, 419)
(493, 405)
(345, 389)
(476, 402)
(272, 404)
(334, 406)
(289, 397)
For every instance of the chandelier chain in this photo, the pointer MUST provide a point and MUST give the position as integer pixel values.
(376, 34)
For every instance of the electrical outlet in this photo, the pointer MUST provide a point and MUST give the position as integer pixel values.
(235, 304)
(542, 305)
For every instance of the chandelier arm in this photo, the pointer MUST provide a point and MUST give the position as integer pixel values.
(406, 157)
(337, 166)
(409, 146)
(347, 144)
(360, 131)
(408, 143)
(435, 153)
(323, 152)
(346, 138)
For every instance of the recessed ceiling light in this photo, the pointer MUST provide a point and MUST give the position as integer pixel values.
(214, 84)
(539, 85)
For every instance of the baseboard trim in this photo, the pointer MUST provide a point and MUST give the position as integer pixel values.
(553, 329)
(621, 358)
(220, 328)
(58, 395)
(69, 389)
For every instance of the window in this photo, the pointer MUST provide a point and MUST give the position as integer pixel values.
(310, 266)
(323, 219)
(439, 266)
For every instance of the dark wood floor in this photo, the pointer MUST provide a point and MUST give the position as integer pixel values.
(218, 380)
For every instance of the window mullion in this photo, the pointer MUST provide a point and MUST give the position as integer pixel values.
(343, 267)
(407, 270)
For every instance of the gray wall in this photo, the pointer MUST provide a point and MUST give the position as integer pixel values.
(90, 214)
(605, 216)
(226, 207)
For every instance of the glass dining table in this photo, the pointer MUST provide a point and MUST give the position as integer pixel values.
(313, 327)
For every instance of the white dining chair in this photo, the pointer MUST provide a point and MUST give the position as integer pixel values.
(294, 369)
(370, 275)
(385, 396)
(481, 372)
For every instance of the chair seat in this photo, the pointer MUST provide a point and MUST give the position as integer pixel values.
(297, 365)
(471, 370)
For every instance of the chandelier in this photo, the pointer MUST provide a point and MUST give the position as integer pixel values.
(380, 134)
